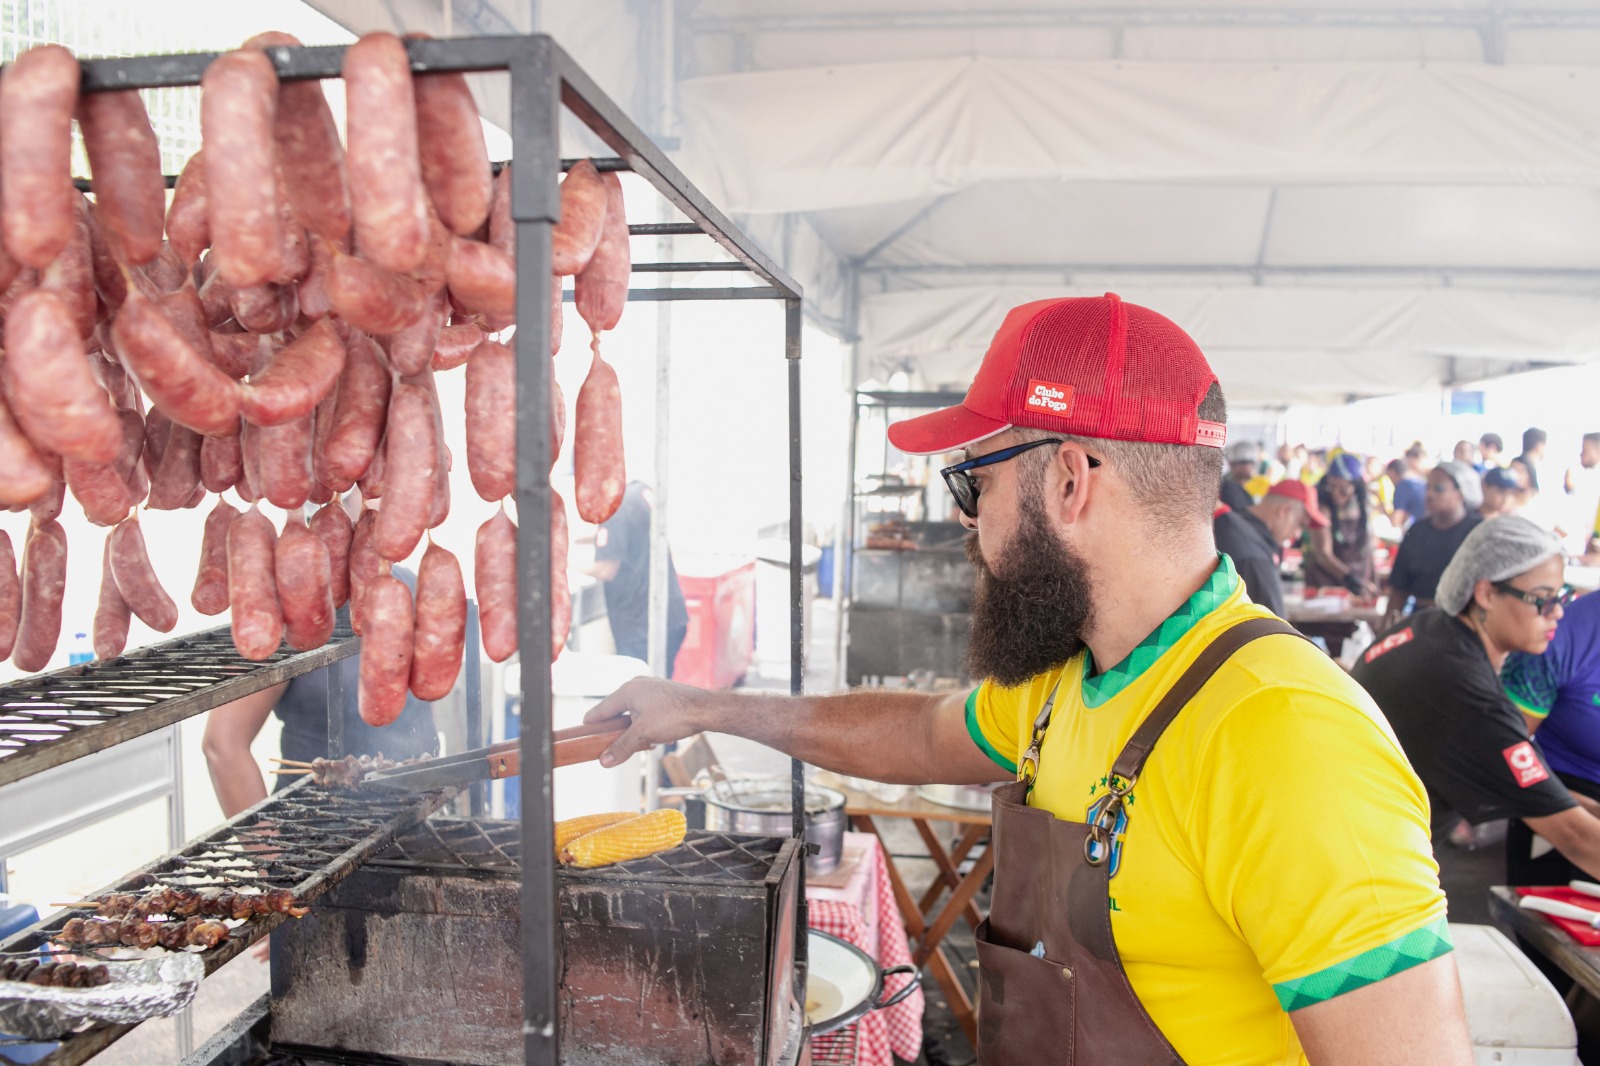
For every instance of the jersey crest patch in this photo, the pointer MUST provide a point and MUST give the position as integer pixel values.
(1525, 764)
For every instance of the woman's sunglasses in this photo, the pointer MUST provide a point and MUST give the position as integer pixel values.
(964, 487)
(1545, 605)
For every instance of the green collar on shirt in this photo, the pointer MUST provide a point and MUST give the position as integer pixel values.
(1098, 688)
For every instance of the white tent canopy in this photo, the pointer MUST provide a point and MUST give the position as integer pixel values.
(1346, 200)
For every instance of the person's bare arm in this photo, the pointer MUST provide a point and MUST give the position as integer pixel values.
(1532, 721)
(1575, 833)
(229, 731)
(897, 737)
(1414, 1017)
(1322, 553)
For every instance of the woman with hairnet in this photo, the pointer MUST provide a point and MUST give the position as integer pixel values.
(1437, 678)
(1454, 494)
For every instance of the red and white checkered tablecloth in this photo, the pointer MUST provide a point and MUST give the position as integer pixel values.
(897, 1029)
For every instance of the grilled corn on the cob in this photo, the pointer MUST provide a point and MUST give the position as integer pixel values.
(632, 839)
(571, 829)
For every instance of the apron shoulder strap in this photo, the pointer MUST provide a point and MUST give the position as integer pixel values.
(1131, 761)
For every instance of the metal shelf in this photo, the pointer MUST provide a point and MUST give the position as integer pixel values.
(50, 719)
(305, 838)
(543, 80)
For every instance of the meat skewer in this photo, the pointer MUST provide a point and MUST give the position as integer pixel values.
(134, 931)
(55, 974)
(187, 902)
(347, 772)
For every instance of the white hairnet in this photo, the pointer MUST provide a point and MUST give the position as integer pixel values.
(1467, 481)
(1497, 549)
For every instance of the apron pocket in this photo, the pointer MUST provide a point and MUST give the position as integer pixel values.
(1026, 1006)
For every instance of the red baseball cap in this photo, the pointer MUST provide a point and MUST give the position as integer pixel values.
(1091, 366)
(1302, 493)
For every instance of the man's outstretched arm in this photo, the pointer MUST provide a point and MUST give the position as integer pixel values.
(898, 737)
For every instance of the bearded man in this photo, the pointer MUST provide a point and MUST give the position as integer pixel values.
(1215, 850)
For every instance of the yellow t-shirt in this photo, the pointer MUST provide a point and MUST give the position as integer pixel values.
(1276, 849)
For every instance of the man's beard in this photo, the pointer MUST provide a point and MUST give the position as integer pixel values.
(1029, 610)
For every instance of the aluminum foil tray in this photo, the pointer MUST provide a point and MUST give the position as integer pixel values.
(140, 989)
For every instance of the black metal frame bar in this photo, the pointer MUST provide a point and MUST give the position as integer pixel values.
(543, 79)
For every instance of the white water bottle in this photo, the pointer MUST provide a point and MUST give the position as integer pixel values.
(81, 651)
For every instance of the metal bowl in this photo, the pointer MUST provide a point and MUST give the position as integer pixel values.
(843, 983)
(764, 805)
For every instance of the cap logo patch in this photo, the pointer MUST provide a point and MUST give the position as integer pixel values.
(1048, 397)
(1525, 765)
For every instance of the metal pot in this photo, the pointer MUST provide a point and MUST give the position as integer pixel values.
(843, 983)
(763, 806)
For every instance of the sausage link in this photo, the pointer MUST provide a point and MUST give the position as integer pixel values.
(558, 420)
(235, 353)
(502, 231)
(411, 460)
(187, 315)
(313, 288)
(495, 579)
(560, 590)
(296, 242)
(221, 463)
(439, 506)
(47, 508)
(286, 462)
(321, 476)
(52, 389)
(410, 351)
(44, 585)
(38, 95)
(173, 482)
(390, 208)
(297, 379)
(216, 295)
(112, 615)
(371, 483)
(129, 465)
(308, 145)
(210, 594)
(455, 161)
(110, 283)
(359, 415)
(441, 625)
(600, 290)
(167, 272)
(136, 578)
(237, 107)
(491, 408)
(179, 380)
(557, 315)
(304, 576)
(125, 159)
(455, 343)
(24, 475)
(265, 308)
(386, 650)
(583, 216)
(10, 596)
(70, 274)
(187, 227)
(333, 527)
(100, 490)
(482, 278)
(253, 586)
(372, 298)
(365, 567)
(597, 458)
(249, 484)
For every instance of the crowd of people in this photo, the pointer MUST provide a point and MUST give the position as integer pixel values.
(1483, 644)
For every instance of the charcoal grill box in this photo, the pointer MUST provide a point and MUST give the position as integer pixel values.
(681, 958)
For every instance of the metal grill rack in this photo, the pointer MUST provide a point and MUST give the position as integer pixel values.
(53, 718)
(306, 839)
(543, 79)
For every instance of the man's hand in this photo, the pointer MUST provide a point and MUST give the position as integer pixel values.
(662, 712)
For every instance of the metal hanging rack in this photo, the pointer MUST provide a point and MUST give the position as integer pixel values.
(543, 80)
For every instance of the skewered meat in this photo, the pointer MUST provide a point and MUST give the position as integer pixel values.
(55, 974)
(349, 771)
(188, 902)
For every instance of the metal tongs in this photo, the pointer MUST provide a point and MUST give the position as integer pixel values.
(568, 746)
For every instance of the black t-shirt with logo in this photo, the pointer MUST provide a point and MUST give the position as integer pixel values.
(1433, 680)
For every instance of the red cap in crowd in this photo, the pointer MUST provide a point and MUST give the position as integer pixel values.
(1088, 366)
(1300, 492)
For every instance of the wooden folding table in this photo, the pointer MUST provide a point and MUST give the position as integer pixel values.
(926, 920)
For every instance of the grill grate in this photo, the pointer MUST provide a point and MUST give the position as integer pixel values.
(305, 839)
(53, 718)
(446, 845)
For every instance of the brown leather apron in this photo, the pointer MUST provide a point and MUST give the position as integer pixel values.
(1052, 985)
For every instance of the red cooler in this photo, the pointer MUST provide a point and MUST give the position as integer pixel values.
(720, 592)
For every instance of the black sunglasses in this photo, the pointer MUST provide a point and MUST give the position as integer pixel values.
(964, 487)
(1545, 605)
